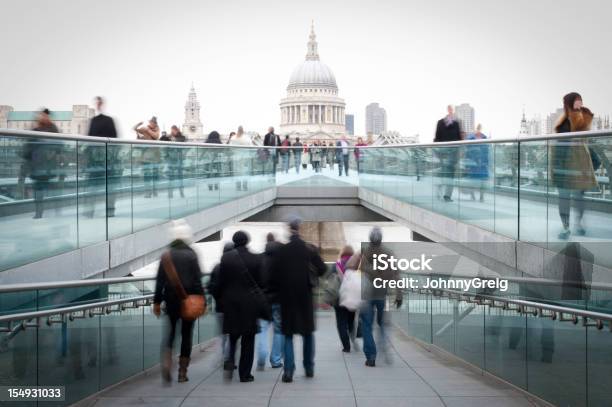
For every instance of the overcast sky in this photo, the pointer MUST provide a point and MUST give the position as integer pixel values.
(413, 57)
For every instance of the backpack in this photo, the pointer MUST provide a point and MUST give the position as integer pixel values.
(331, 286)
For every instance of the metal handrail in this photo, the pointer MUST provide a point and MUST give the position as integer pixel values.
(524, 306)
(520, 306)
(532, 280)
(103, 305)
(62, 136)
(9, 288)
(555, 136)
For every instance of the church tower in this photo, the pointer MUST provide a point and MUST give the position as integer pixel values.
(524, 131)
(192, 127)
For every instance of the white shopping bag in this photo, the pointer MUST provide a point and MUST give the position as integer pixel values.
(350, 290)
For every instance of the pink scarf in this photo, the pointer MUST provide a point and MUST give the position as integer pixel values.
(341, 263)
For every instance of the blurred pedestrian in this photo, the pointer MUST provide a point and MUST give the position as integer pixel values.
(331, 154)
(297, 154)
(41, 160)
(175, 162)
(448, 129)
(276, 354)
(150, 156)
(241, 159)
(44, 123)
(148, 132)
(101, 125)
(571, 163)
(213, 289)
(316, 155)
(293, 277)
(477, 163)
(375, 298)
(345, 318)
(239, 274)
(284, 154)
(323, 148)
(176, 135)
(272, 140)
(212, 158)
(107, 172)
(358, 153)
(305, 156)
(213, 138)
(342, 155)
(178, 273)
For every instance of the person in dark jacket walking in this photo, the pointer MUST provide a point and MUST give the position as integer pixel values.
(212, 160)
(298, 265)
(213, 138)
(102, 125)
(187, 267)
(448, 129)
(240, 269)
(342, 155)
(276, 354)
(213, 288)
(101, 163)
(272, 140)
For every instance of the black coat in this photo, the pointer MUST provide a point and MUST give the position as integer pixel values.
(188, 269)
(42, 157)
(269, 257)
(213, 287)
(272, 139)
(102, 126)
(297, 265)
(239, 309)
(447, 133)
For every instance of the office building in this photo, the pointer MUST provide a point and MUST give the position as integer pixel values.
(465, 114)
(376, 119)
(349, 119)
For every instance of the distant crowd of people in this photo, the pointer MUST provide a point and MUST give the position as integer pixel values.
(572, 162)
(319, 154)
(254, 293)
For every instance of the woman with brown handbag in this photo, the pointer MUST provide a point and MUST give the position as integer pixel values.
(179, 285)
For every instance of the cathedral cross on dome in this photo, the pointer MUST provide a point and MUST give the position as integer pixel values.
(313, 54)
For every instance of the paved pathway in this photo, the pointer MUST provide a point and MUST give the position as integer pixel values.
(416, 377)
